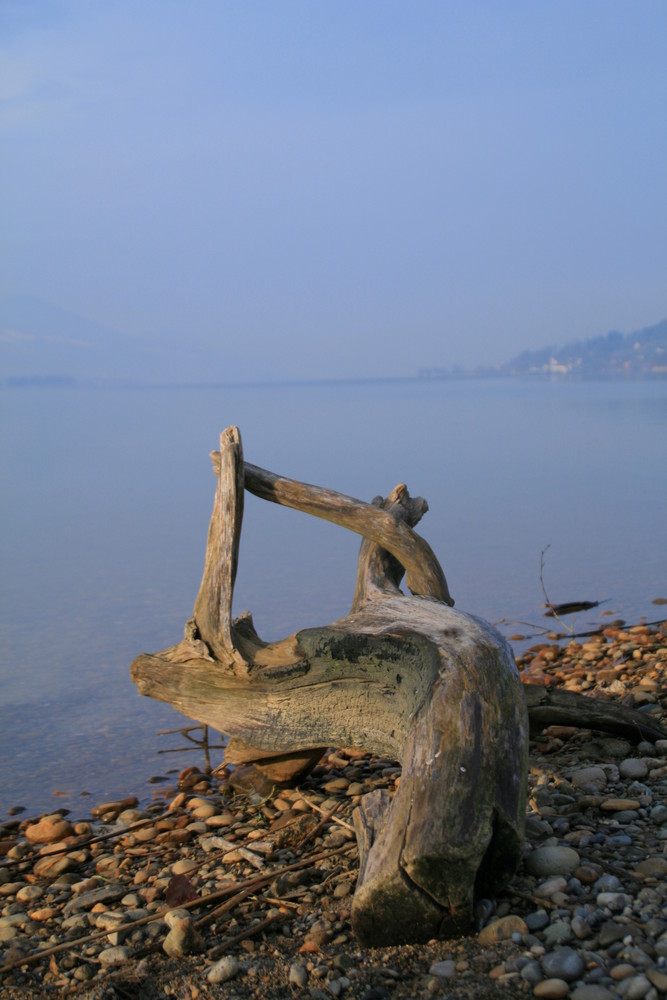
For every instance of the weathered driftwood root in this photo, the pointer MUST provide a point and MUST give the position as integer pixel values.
(455, 719)
(406, 677)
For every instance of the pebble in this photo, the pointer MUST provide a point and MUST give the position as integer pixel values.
(620, 805)
(551, 989)
(8, 930)
(622, 971)
(614, 901)
(581, 927)
(592, 991)
(182, 939)
(635, 988)
(227, 968)
(52, 867)
(502, 930)
(592, 777)
(29, 893)
(558, 932)
(537, 921)
(115, 807)
(552, 886)
(444, 970)
(633, 767)
(610, 932)
(564, 963)
(111, 957)
(298, 975)
(49, 829)
(552, 860)
(652, 866)
(531, 972)
(172, 917)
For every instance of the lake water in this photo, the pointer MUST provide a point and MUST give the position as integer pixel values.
(107, 495)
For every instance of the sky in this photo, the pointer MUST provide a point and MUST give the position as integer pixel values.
(299, 189)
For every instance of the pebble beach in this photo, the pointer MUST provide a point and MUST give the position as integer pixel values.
(226, 886)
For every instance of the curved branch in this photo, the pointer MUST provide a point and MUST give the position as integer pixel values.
(424, 574)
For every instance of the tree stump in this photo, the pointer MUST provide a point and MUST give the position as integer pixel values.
(407, 677)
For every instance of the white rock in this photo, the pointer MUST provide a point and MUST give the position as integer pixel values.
(114, 956)
(223, 970)
(545, 890)
(172, 917)
(298, 974)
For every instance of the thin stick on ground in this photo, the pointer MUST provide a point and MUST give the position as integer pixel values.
(322, 812)
(326, 818)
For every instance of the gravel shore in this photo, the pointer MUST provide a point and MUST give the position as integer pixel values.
(225, 888)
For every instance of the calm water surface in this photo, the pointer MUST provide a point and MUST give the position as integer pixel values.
(107, 495)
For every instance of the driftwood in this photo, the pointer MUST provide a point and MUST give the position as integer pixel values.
(552, 706)
(407, 677)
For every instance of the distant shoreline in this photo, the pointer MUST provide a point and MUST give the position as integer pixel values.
(14, 382)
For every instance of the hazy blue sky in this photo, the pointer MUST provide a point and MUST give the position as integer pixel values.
(335, 188)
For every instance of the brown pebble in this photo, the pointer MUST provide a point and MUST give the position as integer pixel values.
(658, 978)
(502, 930)
(44, 913)
(145, 833)
(48, 829)
(622, 971)
(52, 866)
(652, 866)
(587, 874)
(105, 808)
(551, 989)
(221, 819)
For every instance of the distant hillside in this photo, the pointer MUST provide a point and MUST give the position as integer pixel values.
(43, 345)
(640, 355)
